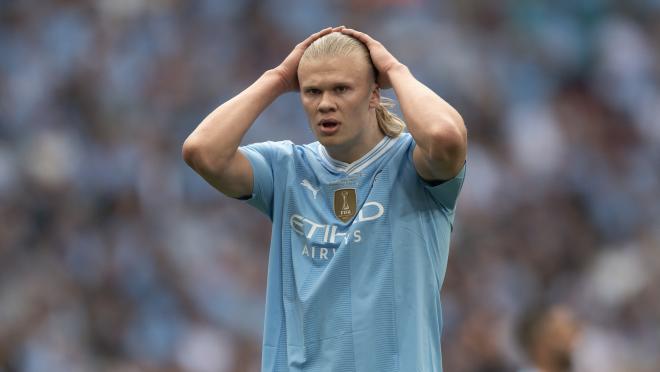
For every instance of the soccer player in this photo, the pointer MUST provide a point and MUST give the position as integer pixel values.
(361, 218)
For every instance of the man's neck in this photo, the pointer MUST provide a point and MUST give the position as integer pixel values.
(356, 148)
(350, 152)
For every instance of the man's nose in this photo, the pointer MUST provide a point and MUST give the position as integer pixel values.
(326, 104)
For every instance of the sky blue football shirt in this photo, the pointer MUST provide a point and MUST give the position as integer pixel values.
(357, 258)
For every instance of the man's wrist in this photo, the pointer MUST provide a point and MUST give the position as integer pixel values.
(277, 77)
(397, 69)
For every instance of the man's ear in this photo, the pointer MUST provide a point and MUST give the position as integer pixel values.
(374, 100)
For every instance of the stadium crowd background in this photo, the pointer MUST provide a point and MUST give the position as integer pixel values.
(114, 256)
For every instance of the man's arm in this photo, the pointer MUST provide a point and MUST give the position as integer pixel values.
(437, 128)
(212, 148)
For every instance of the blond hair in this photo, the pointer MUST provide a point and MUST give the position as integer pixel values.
(338, 44)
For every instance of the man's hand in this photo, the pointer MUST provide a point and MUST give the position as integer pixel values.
(437, 128)
(288, 69)
(381, 57)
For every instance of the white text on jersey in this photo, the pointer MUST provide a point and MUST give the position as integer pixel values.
(328, 233)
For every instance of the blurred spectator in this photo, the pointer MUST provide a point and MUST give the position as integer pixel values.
(548, 336)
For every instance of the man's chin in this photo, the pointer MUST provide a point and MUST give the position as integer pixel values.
(328, 141)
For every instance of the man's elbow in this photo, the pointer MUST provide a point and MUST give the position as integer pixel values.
(199, 157)
(190, 152)
(451, 135)
(449, 147)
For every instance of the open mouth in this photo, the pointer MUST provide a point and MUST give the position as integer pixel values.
(328, 124)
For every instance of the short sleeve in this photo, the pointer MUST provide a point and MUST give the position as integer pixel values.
(260, 156)
(446, 193)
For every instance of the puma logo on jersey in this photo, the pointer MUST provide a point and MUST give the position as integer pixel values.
(308, 185)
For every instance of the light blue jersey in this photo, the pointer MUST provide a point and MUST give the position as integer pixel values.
(357, 257)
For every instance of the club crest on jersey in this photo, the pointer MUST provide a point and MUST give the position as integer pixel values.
(345, 204)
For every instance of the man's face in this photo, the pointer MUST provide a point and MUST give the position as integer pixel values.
(338, 94)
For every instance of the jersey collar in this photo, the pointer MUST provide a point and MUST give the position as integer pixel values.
(371, 156)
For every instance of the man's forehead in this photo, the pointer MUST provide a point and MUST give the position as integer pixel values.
(329, 68)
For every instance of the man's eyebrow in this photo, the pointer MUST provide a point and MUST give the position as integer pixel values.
(330, 84)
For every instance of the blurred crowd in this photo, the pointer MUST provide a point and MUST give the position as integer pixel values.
(114, 256)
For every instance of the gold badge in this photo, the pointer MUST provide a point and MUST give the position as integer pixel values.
(345, 204)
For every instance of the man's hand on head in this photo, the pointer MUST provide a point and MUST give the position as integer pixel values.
(288, 69)
(380, 56)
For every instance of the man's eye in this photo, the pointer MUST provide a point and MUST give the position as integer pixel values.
(341, 89)
(313, 91)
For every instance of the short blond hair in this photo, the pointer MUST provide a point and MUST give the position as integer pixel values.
(338, 44)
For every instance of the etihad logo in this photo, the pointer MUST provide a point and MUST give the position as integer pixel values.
(307, 184)
(317, 232)
(319, 235)
(345, 204)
